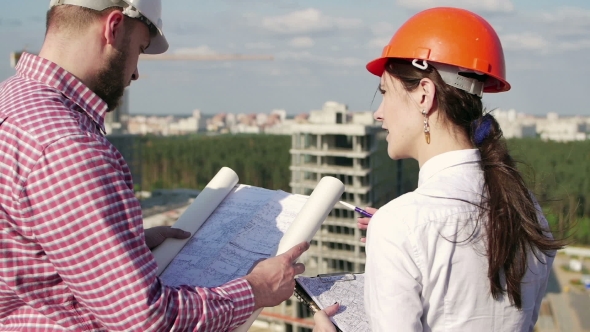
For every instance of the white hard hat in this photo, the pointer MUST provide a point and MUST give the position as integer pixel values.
(148, 11)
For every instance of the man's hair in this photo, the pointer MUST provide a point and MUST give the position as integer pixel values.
(76, 19)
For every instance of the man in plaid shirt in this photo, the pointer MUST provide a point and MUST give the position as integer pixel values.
(73, 252)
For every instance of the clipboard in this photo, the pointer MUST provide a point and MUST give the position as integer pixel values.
(325, 283)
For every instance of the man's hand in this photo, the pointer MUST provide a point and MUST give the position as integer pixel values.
(156, 235)
(273, 279)
(322, 318)
(363, 222)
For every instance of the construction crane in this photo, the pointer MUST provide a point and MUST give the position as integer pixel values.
(204, 57)
(15, 56)
(118, 117)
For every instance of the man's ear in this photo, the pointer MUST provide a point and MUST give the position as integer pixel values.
(114, 27)
(427, 92)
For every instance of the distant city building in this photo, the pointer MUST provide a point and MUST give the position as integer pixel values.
(275, 122)
(117, 121)
(282, 114)
(556, 128)
(551, 127)
(515, 125)
(193, 124)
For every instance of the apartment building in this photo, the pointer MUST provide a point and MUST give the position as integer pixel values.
(350, 147)
(346, 146)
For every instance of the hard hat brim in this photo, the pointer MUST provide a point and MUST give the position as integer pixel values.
(377, 68)
(158, 44)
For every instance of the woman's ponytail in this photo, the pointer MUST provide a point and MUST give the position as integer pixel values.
(513, 228)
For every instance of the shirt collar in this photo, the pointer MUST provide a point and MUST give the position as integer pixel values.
(46, 72)
(445, 160)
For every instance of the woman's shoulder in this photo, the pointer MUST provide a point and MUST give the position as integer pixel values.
(414, 212)
(403, 213)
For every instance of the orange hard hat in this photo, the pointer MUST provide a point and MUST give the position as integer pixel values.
(449, 36)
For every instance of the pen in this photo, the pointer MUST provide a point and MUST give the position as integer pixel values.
(357, 209)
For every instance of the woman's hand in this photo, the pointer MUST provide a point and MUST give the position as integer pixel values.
(363, 222)
(322, 319)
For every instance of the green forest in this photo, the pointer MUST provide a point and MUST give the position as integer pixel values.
(191, 161)
(559, 176)
(557, 173)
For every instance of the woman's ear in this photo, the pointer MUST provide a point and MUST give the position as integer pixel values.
(426, 91)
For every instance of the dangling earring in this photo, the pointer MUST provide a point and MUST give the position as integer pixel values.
(426, 127)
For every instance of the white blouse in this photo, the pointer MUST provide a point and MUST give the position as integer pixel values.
(426, 272)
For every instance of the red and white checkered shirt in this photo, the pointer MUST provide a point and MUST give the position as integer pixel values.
(72, 249)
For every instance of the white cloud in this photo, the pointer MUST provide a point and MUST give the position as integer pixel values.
(383, 32)
(306, 21)
(301, 42)
(526, 41)
(379, 42)
(502, 6)
(383, 29)
(200, 50)
(562, 30)
(327, 60)
(566, 21)
(259, 46)
(567, 15)
(288, 72)
(576, 45)
(525, 65)
(534, 42)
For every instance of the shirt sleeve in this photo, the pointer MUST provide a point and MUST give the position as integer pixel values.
(89, 223)
(392, 278)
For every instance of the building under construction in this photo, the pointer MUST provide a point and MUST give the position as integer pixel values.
(352, 148)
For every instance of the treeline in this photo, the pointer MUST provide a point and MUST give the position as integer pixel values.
(559, 176)
(191, 161)
(557, 173)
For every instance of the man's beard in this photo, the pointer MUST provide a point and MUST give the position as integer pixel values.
(110, 82)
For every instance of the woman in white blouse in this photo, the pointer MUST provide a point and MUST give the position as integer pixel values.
(469, 249)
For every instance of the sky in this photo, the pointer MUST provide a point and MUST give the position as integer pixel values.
(320, 50)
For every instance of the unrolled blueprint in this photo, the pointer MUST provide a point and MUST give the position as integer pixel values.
(347, 290)
(246, 227)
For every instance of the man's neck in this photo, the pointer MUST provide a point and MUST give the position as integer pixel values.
(78, 58)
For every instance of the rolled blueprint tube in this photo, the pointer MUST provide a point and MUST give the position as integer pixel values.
(196, 214)
(306, 224)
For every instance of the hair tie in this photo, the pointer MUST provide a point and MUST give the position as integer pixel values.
(482, 129)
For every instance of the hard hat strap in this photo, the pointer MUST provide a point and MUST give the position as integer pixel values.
(451, 76)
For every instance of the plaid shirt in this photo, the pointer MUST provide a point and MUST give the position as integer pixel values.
(72, 249)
